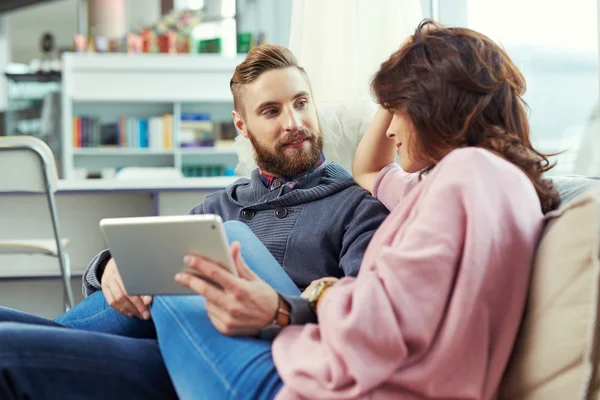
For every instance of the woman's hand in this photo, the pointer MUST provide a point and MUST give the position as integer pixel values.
(243, 305)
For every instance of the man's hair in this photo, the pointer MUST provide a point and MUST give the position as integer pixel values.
(258, 61)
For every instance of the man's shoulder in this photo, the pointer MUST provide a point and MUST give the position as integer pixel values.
(351, 195)
(224, 193)
(336, 172)
(216, 198)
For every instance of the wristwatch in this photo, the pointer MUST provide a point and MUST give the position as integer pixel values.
(317, 292)
(280, 320)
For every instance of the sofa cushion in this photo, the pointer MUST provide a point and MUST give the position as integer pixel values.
(556, 353)
(571, 186)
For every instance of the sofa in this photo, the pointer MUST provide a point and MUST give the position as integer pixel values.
(557, 352)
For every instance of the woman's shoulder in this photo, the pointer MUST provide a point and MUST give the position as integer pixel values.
(474, 161)
(482, 169)
(475, 156)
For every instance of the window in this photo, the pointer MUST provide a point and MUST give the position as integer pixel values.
(555, 45)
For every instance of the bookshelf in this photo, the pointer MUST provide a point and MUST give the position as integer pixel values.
(141, 110)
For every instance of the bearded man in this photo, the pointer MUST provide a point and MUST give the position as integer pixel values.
(309, 213)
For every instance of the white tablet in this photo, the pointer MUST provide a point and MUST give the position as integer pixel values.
(149, 251)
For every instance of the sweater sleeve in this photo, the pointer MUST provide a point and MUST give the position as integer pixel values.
(93, 273)
(367, 216)
(371, 326)
(300, 311)
(392, 184)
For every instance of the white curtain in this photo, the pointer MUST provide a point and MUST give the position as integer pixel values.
(341, 44)
(587, 159)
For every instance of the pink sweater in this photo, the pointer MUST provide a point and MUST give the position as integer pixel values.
(436, 307)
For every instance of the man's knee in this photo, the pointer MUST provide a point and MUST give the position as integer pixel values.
(237, 230)
(236, 225)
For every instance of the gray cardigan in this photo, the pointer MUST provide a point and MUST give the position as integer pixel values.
(319, 227)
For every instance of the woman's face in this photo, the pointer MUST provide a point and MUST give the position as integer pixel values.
(401, 131)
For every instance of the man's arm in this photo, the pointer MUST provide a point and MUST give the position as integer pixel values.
(300, 311)
(367, 216)
(93, 273)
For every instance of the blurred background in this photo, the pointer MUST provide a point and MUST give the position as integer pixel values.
(555, 46)
(132, 97)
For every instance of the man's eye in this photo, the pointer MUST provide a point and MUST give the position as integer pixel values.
(270, 112)
(302, 103)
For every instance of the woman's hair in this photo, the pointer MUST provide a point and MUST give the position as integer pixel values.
(460, 89)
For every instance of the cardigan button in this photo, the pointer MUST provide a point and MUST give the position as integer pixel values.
(281, 212)
(247, 214)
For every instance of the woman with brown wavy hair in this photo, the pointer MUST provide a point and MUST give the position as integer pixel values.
(455, 88)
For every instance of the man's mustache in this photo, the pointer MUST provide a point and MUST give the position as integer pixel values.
(292, 137)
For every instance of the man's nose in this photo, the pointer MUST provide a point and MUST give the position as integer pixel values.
(292, 121)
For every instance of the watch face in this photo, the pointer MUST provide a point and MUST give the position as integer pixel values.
(314, 296)
(315, 292)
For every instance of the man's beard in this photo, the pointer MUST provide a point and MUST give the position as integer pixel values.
(279, 162)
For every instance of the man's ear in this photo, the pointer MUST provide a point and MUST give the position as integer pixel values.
(239, 123)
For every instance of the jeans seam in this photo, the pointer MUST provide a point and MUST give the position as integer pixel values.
(89, 317)
(167, 304)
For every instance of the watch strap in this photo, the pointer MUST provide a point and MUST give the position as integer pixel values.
(280, 320)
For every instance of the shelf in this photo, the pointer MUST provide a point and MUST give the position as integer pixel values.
(191, 151)
(126, 77)
(42, 77)
(100, 158)
(110, 185)
(144, 62)
(196, 151)
(92, 151)
(108, 86)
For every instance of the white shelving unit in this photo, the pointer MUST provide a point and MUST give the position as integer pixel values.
(108, 86)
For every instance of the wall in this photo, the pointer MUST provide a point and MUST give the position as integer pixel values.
(4, 61)
(273, 17)
(27, 25)
(141, 13)
(452, 12)
(41, 296)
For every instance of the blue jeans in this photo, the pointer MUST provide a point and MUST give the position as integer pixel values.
(39, 357)
(202, 362)
(94, 314)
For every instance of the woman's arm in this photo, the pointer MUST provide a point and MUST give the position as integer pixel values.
(374, 151)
